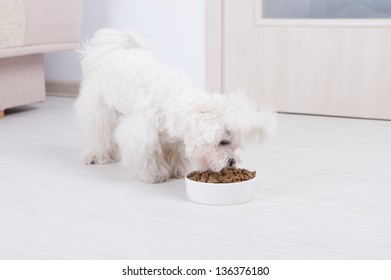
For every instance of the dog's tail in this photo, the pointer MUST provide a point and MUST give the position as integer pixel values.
(107, 40)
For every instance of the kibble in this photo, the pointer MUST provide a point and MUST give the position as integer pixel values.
(227, 175)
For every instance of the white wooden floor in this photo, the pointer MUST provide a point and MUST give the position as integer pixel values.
(324, 193)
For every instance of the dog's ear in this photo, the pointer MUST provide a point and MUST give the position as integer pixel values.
(206, 129)
(249, 123)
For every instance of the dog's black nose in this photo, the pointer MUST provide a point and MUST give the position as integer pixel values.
(231, 162)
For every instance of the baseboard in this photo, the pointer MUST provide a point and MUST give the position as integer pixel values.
(62, 88)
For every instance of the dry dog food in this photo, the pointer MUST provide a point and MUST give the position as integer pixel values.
(227, 175)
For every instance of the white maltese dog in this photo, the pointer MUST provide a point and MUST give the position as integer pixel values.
(153, 118)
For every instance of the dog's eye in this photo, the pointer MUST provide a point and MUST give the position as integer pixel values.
(224, 143)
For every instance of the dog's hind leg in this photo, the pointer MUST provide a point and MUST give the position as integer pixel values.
(140, 149)
(99, 123)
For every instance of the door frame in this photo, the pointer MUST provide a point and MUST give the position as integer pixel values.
(214, 44)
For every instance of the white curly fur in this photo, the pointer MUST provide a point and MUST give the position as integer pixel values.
(153, 117)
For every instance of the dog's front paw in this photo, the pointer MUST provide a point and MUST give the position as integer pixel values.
(93, 158)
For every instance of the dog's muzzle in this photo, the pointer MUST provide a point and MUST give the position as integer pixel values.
(231, 162)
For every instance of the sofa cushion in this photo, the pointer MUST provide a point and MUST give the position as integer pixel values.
(42, 26)
(12, 23)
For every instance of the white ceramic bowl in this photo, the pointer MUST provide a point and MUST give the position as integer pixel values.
(221, 194)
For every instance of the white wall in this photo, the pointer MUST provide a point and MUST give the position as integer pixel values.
(175, 28)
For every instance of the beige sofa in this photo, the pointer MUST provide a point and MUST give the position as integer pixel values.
(29, 28)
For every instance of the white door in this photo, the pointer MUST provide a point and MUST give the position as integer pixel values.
(327, 57)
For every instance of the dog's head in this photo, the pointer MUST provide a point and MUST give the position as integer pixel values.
(222, 124)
